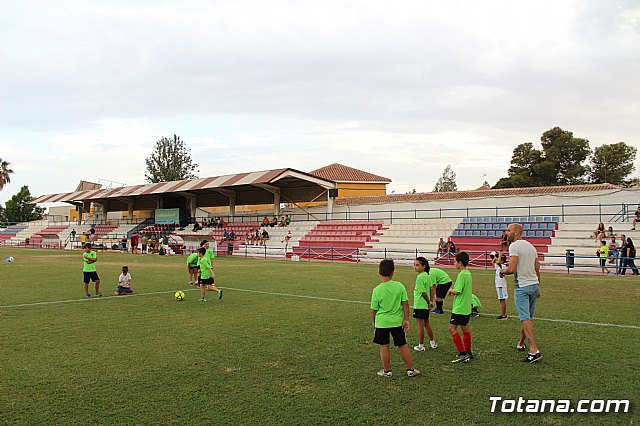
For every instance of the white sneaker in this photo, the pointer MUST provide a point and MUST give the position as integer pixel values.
(413, 373)
(433, 344)
(418, 348)
(383, 373)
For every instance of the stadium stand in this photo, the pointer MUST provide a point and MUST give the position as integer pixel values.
(338, 240)
(10, 231)
(275, 247)
(409, 236)
(191, 240)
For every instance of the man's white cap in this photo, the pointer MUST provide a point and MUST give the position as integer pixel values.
(493, 253)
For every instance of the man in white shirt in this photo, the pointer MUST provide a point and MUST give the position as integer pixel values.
(523, 262)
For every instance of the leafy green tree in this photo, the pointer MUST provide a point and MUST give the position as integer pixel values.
(612, 163)
(5, 173)
(567, 154)
(561, 161)
(18, 209)
(170, 160)
(447, 181)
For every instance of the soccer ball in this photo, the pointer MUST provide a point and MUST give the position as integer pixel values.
(179, 296)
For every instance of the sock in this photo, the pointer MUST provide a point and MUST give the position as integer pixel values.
(432, 341)
(458, 342)
(439, 304)
(467, 342)
(420, 345)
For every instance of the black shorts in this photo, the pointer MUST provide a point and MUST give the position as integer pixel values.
(458, 319)
(381, 336)
(134, 244)
(442, 290)
(124, 290)
(603, 261)
(194, 268)
(93, 276)
(206, 281)
(421, 313)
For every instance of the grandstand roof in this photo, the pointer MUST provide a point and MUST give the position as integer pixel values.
(477, 193)
(252, 188)
(340, 173)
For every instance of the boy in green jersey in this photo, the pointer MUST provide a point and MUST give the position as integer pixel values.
(476, 306)
(209, 254)
(603, 252)
(441, 283)
(422, 303)
(90, 257)
(206, 275)
(461, 309)
(192, 268)
(390, 314)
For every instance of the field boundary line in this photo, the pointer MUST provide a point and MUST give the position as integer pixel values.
(299, 296)
(58, 302)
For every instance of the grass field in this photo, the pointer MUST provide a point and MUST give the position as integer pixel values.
(266, 354)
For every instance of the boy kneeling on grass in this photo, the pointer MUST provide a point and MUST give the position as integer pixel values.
(390, 313)
(124, 283)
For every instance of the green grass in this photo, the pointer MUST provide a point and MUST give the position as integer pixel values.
(259, 358)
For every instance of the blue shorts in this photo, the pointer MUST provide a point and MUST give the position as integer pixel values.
(525, 298)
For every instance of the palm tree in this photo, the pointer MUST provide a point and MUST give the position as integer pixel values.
(5, 173)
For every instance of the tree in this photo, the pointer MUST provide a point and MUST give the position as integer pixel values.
(5, 173)
(18, 209)
(612, 163)
(447, 182)
(567, 153)
(559, 163)
(170, 160)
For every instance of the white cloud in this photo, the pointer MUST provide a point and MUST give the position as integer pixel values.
(399, 89)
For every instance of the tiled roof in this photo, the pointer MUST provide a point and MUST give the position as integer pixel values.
(339, 173)
(478, 193)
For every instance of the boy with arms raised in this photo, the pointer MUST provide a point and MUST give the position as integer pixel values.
(390, 313)
(461, 309)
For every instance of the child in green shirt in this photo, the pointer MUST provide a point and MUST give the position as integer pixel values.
(461, 309)
(390, 314)
(422, 303)
(90, 257)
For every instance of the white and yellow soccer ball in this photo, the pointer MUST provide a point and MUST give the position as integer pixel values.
(179, 296)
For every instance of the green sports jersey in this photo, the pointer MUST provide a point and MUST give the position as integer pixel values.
(604, 252)
(475, 302)
(387, 299)
(422, 286)
(89, 267)
(462, 302)
(210, 254)
(205, 265)
(192, 260)
(438, 276)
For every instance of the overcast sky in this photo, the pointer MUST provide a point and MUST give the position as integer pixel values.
(400, 89)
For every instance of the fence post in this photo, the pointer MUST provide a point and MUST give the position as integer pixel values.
(600, 212)
(385, 252)
(390, 216)
(485, 260)
(332, 253)
(562, 210)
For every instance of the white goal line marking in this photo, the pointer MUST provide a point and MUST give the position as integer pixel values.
(299, 296)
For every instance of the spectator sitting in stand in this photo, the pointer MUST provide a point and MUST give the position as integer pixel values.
(442, 247)
(636, 218)
(265, 221)
(274, 222)
(599, 231)
(451, 247)
(282, 224)
(287, 220)
(225, 236)
(249, 238)
(264, 236)
(196, 226)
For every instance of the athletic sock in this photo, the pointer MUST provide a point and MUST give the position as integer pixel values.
(467, 342)
(457, 340)
(439, 304)
(420, 345)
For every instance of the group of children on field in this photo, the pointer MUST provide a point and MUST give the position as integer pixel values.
(390, 308)
(199, 265)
